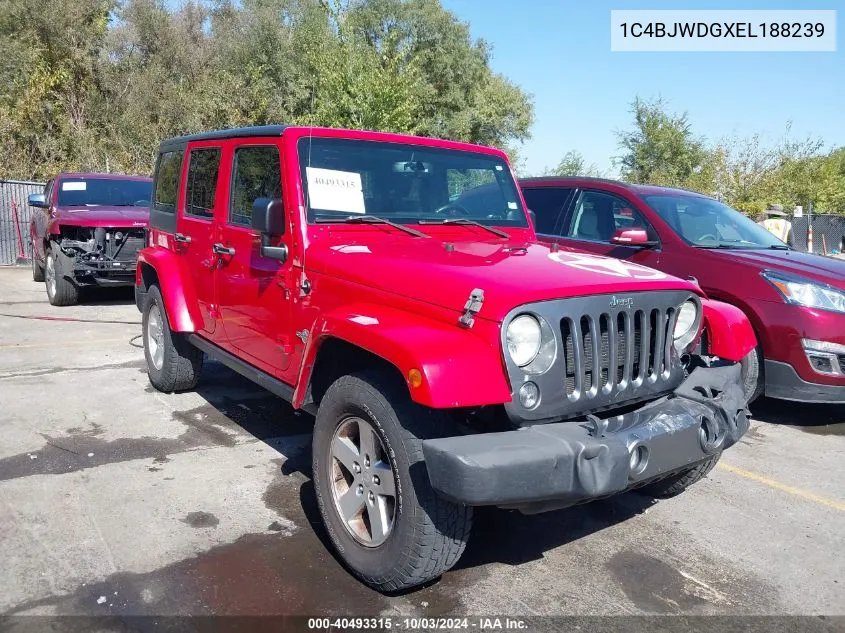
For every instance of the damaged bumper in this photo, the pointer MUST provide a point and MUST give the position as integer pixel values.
(548, 466)
(105, 257)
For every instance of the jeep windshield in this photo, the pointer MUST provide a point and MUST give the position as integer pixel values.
(406, 184)
(706, 223)
(112, 192)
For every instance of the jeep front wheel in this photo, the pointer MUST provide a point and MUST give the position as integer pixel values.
(382, 515)
(173, 364)
(61, 291)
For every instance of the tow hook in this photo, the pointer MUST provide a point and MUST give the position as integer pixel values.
(599, 426)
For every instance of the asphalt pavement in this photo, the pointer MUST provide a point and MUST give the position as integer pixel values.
(118, 499)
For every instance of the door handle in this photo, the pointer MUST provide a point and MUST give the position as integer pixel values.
(185, 239)
(220, 249)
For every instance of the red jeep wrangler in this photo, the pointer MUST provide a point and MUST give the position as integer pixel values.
(89, 232)
(394, 287)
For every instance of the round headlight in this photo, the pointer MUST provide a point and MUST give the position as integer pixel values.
(685, 324)
(523, 338)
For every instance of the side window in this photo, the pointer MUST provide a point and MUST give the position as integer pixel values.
(168, 171)
(203, 166)
(597, 215)
(256, 173)
(547, 204)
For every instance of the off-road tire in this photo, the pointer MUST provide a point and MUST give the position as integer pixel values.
(182, 362)
(37, 269)
(65, 292)
(429, 534)
(677, 483)
(751, 374)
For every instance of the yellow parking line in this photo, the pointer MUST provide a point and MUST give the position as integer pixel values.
(91, 343)
(772, 483)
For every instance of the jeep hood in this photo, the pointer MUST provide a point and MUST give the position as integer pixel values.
(105, 216)
(510, 273)
(827, 270)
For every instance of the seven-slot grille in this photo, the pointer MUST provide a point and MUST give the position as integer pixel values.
(630, 337)
(611, 353)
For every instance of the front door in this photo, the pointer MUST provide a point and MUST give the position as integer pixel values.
(593, 219)
(196, 228)
(255, 292)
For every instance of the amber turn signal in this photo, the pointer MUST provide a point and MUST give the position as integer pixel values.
(414, 378)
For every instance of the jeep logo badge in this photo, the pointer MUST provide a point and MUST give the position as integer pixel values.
(625, 302)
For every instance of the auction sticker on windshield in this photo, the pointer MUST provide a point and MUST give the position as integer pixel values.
(606, 266)
(332, 190)
(74, 186)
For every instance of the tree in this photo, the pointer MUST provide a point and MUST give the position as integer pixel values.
(661, 149)
(49, 65)
(747, 177)
(791, 172)
(573, 163)
(460, 97)
(96, 85)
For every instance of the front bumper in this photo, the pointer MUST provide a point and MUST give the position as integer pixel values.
(783, 382)
(549, 466)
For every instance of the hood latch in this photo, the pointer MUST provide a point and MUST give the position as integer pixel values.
(471, 308)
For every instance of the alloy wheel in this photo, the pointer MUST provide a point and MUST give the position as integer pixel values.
(50, 275)
(362, 482)
(155, 336)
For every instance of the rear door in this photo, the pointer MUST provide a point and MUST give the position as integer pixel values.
(255, 292)
(196, 229)
(548, 205)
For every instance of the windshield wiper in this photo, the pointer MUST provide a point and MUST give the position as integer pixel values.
(374, 219)
(735, 245)
(466, 221)
(780, 247)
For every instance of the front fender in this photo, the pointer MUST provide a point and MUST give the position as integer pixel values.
(729, 332)
(459, 368)
(180, 299)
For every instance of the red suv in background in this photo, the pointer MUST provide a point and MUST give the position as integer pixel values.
(794, 300)
(87, 231)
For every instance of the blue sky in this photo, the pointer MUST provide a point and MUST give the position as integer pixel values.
(559, 51)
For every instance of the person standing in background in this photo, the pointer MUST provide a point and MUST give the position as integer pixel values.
(777, 223)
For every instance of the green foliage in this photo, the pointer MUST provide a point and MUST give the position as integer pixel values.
(573, 163)
(661, 148)
(97, 84)
(746, 173)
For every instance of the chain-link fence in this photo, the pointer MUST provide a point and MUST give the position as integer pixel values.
(14, 219)
(828, 232)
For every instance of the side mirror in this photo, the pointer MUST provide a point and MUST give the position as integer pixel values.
(632, 237)
(533, 217)
(268, 218)
(37, 200)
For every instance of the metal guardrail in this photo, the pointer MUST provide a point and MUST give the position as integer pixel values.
(14, 219)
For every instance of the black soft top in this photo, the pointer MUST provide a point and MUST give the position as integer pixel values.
(178, 142)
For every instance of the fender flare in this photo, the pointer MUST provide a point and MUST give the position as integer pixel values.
(730, 334)
(177, 291)
(458, 368)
